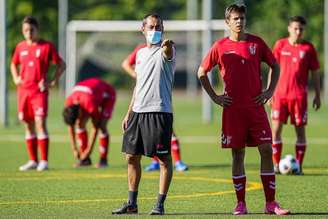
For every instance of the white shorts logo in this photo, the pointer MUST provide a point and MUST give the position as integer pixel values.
(226, 140)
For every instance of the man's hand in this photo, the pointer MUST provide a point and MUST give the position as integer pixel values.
(17, 80)
(167, 46)
(84, 155)
(264, 97)
(223, 100)
(125, 121)
(316, 102)
(53, 83)
(76, 153)
(167, 43)
(43, 85)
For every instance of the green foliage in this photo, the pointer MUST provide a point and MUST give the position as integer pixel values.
(267, 18)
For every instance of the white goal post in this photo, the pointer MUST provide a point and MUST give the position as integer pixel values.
(76, 26)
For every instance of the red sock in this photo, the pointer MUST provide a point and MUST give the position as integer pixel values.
(32, 147)
(300, 152)
(269, 186)
(103, 145)
(82, 137)
(43, 142)
(175, 149)
(276, 152)
(239, 183)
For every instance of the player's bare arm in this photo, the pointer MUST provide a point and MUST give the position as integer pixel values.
(94, 133)
(14, 72)
(316, 100)
(167, 46)
(266, 95)
(222, 100)
(59, 71)
(128, 68)
(71, 131)
(127, 116)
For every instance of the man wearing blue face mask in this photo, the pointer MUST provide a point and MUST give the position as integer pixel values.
(147, 125)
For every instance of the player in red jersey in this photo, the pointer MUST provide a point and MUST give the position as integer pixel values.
(296, 57)
(244, 120)
(128, 65)
(29, 68)
(95, 99)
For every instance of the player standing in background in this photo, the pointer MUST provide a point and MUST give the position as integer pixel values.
(128, 65)
(95, 99)
(244, 120)
(296, 58)
(148, 123)
(29, 69)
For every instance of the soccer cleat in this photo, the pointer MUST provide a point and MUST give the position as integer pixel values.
(43, 165)
(102, 163)
(30, 165)
(126, 209)
(274, 208)
(240, 209)
(180, 166)
(157, 210)
(83, 163)
(152, 167)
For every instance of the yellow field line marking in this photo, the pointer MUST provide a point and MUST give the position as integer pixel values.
(251, 186)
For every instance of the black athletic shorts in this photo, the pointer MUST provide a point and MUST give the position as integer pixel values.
(148, 134)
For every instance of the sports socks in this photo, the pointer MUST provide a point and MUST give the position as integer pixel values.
(82, 137)
(269, 186)
(239, 183)
(276, 151)
(300, 152)
(160, 199)
(43, 142)
(32, 147)
(132, 198)
(175, 149)
(103, 145)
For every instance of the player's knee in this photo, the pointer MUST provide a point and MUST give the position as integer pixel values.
(238, 154)
(165, 161)
(132, 159)
(265, 150)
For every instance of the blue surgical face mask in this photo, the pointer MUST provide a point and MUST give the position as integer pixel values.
(154, 37)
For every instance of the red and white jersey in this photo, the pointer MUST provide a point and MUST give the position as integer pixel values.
(34, 62)
(295, 62)
(240, 67)
(91, 94)
(133, 55)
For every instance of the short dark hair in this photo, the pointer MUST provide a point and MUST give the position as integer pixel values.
(240, 8)
(31, 20)
(154, 15)
(70, 114)
(297, 18)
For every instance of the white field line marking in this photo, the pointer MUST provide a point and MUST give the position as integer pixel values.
(183, 139)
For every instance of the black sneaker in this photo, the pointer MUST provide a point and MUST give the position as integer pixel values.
(126, 209)
(83, 163)
(157, 210)
(102, 163)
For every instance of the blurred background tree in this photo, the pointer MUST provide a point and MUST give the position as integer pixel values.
(267, 18)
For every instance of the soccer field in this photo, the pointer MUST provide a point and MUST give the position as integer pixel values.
(205, 191)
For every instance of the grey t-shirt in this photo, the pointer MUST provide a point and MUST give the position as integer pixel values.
(153, 92)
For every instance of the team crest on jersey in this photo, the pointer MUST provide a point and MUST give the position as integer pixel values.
(302, 54)
(252, 49)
